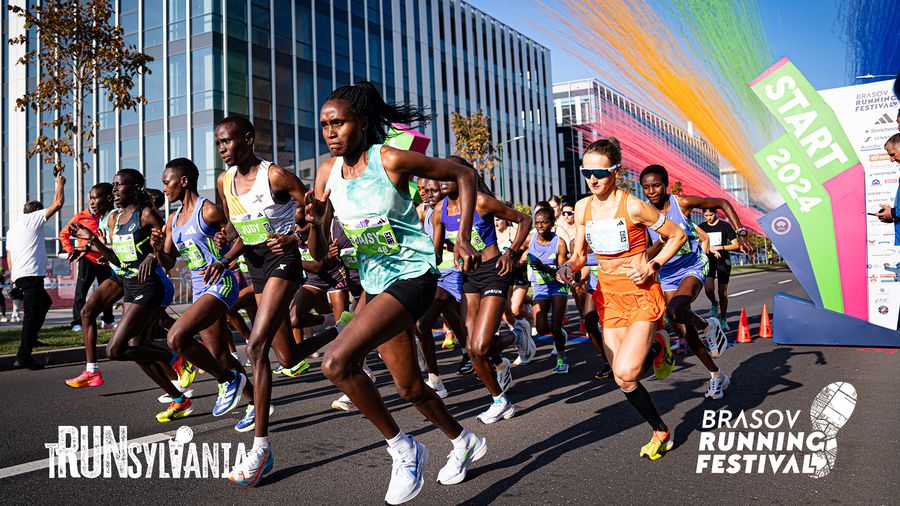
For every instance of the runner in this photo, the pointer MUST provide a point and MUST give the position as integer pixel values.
(447, 298)
(630, 302)
(147, 289)
(519, 284)
(189, 233)
(486, 289)
(545, 251)
(585, 288)
(260, 199)
(367, 183)
(723, 241)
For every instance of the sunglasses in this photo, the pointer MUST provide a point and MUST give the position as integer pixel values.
(598, 173)
(568, 213)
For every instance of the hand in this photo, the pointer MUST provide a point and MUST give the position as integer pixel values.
(746, 246)
(281, 244)
(506, 264)
(147, 267)
(221, 239)
(465, 257)
(157, 239)
(334, 252)
(640, 273)
(213, 273)
(716, 253)
(884, 214)
(102, 261)
(60, 180)
(77, 254)
(565, 274)
(81, 232)
(315, 208)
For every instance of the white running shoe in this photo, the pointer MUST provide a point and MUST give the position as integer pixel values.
(524, 342)
(441, 392)
(517, 362)
(500, 409)
(252, 469)
(715, 340)
(460, 459)
(407, 473)
(504, 377)
(343, 403)
(717, 386)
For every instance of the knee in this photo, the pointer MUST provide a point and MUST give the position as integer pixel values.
(254, 350)
(86, 311)
(335, 366)
(592, 320)
(626, 378)
(479, 348)
(295, 320)
(678, 313)
(175, 340)
(414, 393)
(115, 351)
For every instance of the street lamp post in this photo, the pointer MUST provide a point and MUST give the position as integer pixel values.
(500, 159)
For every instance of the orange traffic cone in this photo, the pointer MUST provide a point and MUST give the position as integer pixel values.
(765, 325)
(743, 333)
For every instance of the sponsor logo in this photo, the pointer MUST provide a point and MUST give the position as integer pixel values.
(882, 310)
(281, 267)
(781, 225)
(875, 182)
(879, 157)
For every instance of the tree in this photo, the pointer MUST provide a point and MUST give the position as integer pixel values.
(473, 140)
(675, 188)
(81, 53)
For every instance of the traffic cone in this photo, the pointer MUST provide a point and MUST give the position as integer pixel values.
(743, 333)
(765, 325)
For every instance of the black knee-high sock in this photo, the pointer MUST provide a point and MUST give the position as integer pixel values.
(639, 397)
(655, 349)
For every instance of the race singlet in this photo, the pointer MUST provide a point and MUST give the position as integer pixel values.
(607, 237)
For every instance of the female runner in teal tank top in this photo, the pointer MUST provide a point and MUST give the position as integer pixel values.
(367, 185)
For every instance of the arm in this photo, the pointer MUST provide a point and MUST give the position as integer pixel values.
(227, 234)
(59, 198)
(65, 236)
(440, 233)
(703, 237)
(163, 246)
(641, 213)
(282, 180)
(401, 164)
(149, 218)
(486, 205)
(690, 202)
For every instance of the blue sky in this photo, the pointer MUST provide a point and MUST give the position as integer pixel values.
(806, 31)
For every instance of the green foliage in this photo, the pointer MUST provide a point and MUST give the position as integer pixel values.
(473, 140)
(522, 208)
(81, 53)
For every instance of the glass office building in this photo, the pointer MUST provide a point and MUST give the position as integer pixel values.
(275, 61)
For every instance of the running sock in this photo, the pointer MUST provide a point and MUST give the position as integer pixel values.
(401, 442)
(260, 442)
(715, 374)
(501, 398)
(434, 379)
(461, 441)
(639, 397)
(173, 359)
(179, 399)
(92, 367)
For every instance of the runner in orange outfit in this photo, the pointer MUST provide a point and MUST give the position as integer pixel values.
(629, 299)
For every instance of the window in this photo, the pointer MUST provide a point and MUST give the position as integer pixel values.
(153, 91)
(177, 85)
(153, 22)
(206, 16)
(206, 78)
(177, 27)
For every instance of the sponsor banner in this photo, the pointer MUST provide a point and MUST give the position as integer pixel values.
(868, 113)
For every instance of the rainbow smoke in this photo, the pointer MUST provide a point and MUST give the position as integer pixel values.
(700, 76)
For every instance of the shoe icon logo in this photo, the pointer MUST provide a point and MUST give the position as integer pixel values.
(281, 267)
(830, 410)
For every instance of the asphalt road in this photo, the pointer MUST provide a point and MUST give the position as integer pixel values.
(574, 440)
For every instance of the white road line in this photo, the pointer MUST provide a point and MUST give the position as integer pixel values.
(783, 282)
(738, 294)
(38, 465)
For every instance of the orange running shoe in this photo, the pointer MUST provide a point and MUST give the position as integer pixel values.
(86, 379)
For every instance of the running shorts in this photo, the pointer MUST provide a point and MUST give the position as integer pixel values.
(719, 270)
(262, 264)
(620, 302)
(226, 289)
(452, 282)
(486, 280)
(415, 294)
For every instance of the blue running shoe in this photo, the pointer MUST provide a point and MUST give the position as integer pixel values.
(248, 423)
(229, 394)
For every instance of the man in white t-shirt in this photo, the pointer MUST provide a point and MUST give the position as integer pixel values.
(28, 266)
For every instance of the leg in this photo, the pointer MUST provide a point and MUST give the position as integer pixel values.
(539, 308)
(105, 295)
(680, 312)
(482, 318)
(709, 286)
(723, 299)
(204, 314)
(103, 272)
(627, 348)
(424, 326)
(133, 324)
(34, 304)
(559, 303)
(83, 282)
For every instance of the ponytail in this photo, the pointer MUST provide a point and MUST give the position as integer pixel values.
(367, 103)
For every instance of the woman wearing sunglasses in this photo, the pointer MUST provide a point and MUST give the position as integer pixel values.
(629, 299)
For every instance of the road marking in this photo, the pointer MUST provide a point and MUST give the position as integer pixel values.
(738, 294)
(37, 465)
(783, 282)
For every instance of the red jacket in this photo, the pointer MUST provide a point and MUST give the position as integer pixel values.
(69, 242)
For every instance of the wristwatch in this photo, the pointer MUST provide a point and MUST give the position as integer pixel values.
(656, 266)
(741, 232)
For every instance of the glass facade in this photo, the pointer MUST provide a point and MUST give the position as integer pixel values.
(276, 61)
(586, 102)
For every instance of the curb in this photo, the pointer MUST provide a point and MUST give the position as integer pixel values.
(62, 356)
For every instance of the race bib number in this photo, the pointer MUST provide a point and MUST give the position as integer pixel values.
(348, 257)
(608, 237)
(477, 241)
(124, 248)
(253, 230)
(191, 254)
(305, 255)
(373, 236)
(715, 238)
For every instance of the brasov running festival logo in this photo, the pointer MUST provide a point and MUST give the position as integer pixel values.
(771, 441)
(94, 452)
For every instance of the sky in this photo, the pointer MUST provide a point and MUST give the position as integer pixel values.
(806, 31)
